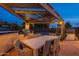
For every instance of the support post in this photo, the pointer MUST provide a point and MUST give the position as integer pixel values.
(27, 26)
(62, 30)
(27, 29)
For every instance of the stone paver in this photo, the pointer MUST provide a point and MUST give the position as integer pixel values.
(69, 48)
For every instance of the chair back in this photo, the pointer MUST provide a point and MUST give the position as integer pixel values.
(56, 47)
(56, 42)
(46, 49)
(19, 47)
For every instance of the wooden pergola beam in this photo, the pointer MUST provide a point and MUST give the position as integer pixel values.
(28, 12)
(39, 22)
(23, 5)
(42, 21)
(50, 10)
(9, 9)
(45, 18)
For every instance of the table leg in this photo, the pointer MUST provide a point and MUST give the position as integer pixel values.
(35, 52)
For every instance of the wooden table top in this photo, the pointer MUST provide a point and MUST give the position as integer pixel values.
(38, 42)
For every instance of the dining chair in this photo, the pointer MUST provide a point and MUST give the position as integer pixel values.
(55, 47)
(21, 49)
(46, 48)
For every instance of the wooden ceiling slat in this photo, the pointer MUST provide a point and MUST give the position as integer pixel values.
(41, 22)
(29, 12)
(23, 5)
(44, 19)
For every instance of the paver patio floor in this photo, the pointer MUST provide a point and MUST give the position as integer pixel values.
(69, 48)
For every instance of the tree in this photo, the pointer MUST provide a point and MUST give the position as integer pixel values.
(14, 26)
(68, 25)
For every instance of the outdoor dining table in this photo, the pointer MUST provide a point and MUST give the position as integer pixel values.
(38, 42)
(50, 38)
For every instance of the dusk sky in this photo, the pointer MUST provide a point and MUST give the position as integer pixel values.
(7, 16)
(69, 12)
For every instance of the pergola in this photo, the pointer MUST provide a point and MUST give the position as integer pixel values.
(35, 13)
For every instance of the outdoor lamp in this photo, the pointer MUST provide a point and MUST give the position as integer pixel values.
(27, 26)
(60, 22)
